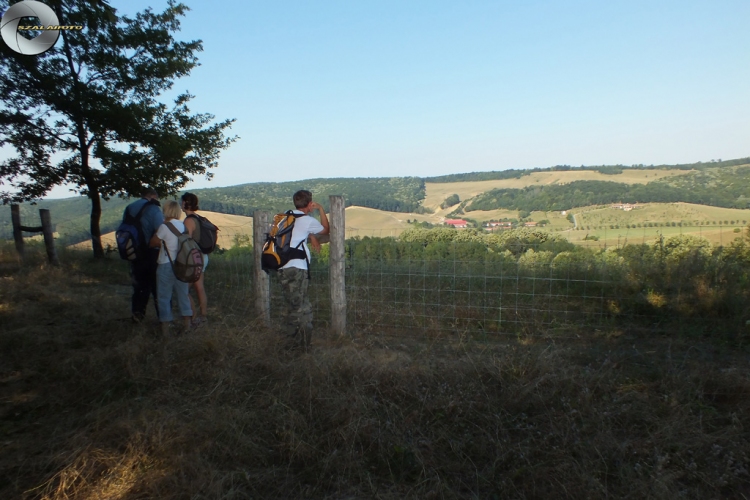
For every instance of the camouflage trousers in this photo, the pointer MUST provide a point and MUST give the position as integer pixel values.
(297, 312)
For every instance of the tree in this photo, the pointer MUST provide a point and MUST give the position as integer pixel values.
(87, 113)
(450, 201)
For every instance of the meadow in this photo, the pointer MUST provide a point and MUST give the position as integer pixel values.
(94, 406)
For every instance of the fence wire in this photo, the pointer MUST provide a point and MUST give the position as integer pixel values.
(399, 288)
(665, 283)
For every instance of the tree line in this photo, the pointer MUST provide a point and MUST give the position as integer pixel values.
(641, 278)
(723, 189)
(604, 169)
(393, 194)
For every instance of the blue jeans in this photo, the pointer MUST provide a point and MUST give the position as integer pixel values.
(167, 286)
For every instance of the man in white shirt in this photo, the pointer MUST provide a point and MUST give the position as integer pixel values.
(294, 275)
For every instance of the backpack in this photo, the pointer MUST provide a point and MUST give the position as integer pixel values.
(131, 243)
(277, 250)
(206, 236)
(188, 263)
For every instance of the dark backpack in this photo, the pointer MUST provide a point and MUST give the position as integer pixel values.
(131, 242)
(206, 235)
(277, 250)
(188, 263)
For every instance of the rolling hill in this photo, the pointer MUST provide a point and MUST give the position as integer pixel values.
(386, 206)
(229, 226)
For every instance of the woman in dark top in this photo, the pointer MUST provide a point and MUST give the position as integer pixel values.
(190, 206)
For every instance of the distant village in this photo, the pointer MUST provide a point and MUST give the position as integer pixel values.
(490, 226)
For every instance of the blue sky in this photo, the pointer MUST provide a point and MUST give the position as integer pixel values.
(391, 88)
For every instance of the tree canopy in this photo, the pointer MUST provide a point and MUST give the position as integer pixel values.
(87, 112)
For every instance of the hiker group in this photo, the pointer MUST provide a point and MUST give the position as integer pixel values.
(168, 258)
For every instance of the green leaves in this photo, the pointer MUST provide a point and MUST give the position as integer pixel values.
(88, 112)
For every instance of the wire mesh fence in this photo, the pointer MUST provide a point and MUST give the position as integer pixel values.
(511, 284)
(395, 287)
(531, 290)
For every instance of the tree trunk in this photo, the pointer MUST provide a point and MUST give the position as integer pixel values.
(96, 213)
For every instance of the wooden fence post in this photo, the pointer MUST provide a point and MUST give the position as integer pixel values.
(262, 283)
(337, 266)
(15, 215)
(49, 238)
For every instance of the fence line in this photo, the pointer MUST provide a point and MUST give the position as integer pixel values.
(395, 288)
(398, 287)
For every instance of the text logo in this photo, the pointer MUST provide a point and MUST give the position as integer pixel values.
(49, 26)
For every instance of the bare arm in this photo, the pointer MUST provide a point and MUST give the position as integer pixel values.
(323, 218)
(155, 241)
(314, 243)
(189, 225)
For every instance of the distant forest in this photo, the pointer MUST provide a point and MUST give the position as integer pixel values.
(393, 194)
(603, 169)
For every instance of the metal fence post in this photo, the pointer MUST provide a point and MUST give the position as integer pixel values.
(337, 265)
(262, 283)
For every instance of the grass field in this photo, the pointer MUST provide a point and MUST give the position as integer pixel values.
(437, 192)
(698, 220)
(94, 407)
(361, 221)
(661, 212)
(618, 237)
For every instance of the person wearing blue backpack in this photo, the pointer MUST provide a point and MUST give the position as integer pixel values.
(146, 216)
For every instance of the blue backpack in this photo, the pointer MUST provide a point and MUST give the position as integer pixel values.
(131, 243)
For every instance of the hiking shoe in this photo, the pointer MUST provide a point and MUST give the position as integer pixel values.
(198, 322)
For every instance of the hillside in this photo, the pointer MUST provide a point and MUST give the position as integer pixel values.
(603, 169)
(229, 227)
(717, 186)
(396, 194)
(360, 221)
(385, 204)
(436, 192)
(70, 217)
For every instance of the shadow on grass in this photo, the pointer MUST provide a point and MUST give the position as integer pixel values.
(96, 408)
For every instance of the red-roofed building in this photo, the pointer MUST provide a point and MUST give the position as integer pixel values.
(458, 223)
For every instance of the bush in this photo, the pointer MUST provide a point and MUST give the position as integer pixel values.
(450, 201)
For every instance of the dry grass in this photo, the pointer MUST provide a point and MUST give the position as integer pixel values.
(229, 225)
(660, 212)
(94, 407)
(437, 192)
(362, 221)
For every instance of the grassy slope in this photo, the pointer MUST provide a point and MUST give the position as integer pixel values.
(362, 221)
(71, 215)
(660, 212)
(436, 192)
(94, 407)
(602, 218)
(229, 225)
